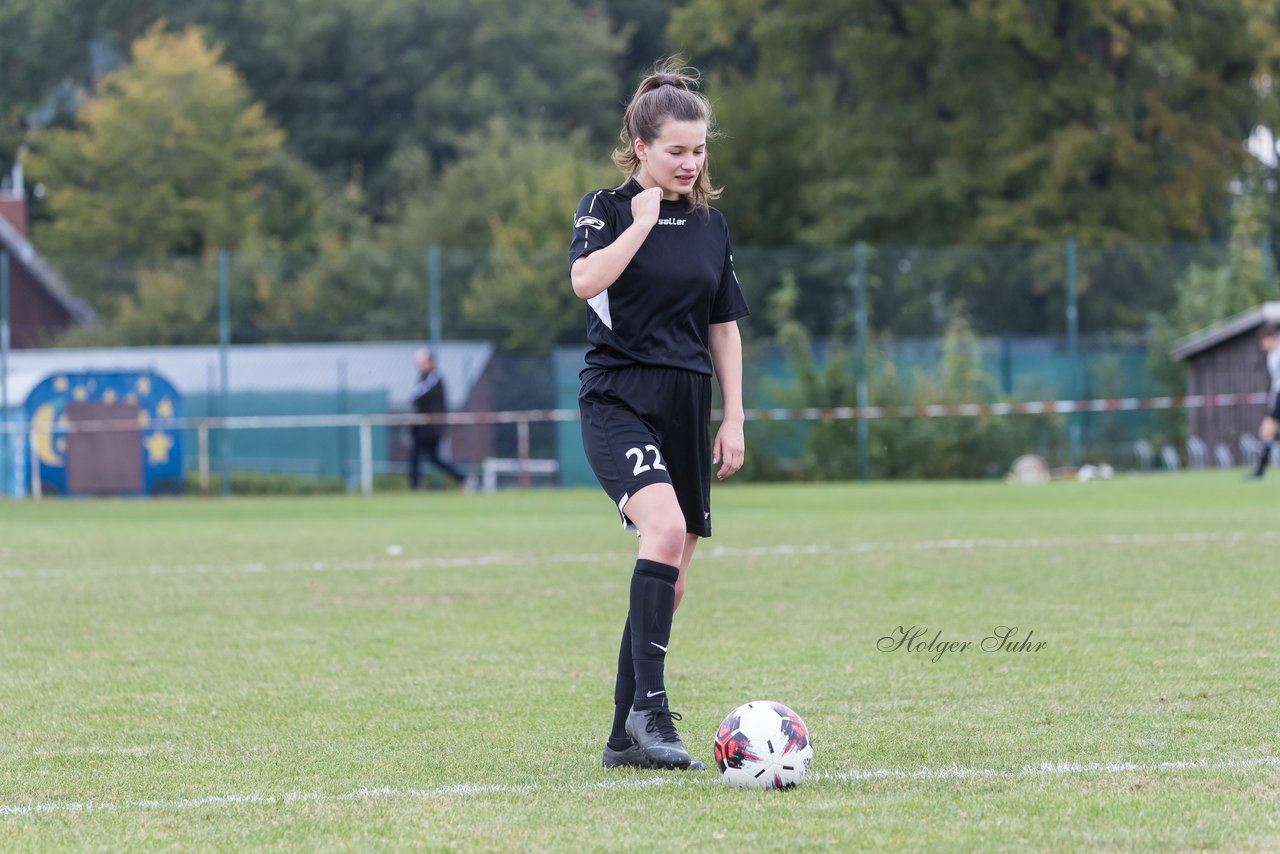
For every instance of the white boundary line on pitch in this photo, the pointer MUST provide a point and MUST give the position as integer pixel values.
(712, 552)
(1050, 769)
(1045, 769)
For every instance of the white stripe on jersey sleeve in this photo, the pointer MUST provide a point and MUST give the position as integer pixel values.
(600, 302)
(586, 229)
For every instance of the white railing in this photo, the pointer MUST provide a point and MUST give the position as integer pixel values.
(525, 468)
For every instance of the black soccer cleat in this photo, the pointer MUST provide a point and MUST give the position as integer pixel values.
(631, 756)
(654, 730)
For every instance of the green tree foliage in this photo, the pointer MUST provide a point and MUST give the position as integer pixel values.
(47, 51)
(511, 199)
(170, 158)
(826, 380)
(917, 447)
(474, 124)
(1206, 293)
(37, 49)
(164, 160)
(770, 153)
(355, 82)
(153, 303)
(642, 25)
(991, 121)
(943, 447)
(524, 287)
(169, 306)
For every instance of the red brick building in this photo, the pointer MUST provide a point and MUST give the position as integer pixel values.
(40, 307)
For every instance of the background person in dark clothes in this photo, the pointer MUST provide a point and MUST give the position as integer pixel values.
(428, 399)
(1269, 341)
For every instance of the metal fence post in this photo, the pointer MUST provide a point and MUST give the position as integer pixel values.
(435, 322)
(37, 486)
(522, 450)
(4, 370)
(1266, 266)
(860, 327)
(202, 452)
(1073, 348)
(342, 431)
(366, 457)
(1006, 364)
(224, 389)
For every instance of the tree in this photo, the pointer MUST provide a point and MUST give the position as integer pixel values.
(642, 24)
(168, 307)
(37, 48)
(164, 159)
(354, 286)
(50, 47)
(511, 202)
(824, 376)
(994, 121)
(1208, 293)
(355, 82)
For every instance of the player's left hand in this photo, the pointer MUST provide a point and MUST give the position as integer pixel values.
(730, 449)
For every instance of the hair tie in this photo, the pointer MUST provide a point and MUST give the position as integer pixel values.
(666, 83)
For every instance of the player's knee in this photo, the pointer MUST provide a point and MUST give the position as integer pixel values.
(665, 536)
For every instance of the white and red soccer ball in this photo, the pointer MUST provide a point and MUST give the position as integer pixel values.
(763, 745)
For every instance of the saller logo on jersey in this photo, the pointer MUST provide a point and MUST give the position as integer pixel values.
(588, 222)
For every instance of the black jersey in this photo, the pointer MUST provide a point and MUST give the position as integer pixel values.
(679, 282)
(428, 399)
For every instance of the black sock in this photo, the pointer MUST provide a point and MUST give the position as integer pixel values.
(653, 602)
(624, 691)
(1263, 459)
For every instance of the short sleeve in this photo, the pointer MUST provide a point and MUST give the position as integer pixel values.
(729, 303)
(593, 226)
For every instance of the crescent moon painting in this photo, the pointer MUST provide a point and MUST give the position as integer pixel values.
(53, 452)
(42, 427)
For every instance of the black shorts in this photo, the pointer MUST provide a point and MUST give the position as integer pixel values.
(1275, 407)
(643, 425)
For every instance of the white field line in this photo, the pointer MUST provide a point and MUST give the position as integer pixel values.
(360, 794)
(712, 552)
(1051, 769)
(1044, 769)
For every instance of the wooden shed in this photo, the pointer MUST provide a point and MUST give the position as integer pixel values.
(1225, 359)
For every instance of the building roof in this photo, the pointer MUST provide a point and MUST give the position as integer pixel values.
(1212, 336)
(20, 249)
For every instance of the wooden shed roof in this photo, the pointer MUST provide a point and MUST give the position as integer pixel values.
(1225, 330)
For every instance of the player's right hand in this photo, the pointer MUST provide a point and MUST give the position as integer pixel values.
(645, 206)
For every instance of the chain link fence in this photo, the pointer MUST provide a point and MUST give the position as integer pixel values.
(837, 331)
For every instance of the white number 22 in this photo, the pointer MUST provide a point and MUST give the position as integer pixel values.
(640, 463)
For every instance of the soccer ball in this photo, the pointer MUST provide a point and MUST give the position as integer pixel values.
(763, 745)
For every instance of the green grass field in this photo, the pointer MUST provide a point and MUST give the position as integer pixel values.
(262, 673)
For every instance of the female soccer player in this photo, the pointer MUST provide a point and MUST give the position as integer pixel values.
(653, 261)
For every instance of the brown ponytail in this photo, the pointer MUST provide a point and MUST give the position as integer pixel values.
(666, 94)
